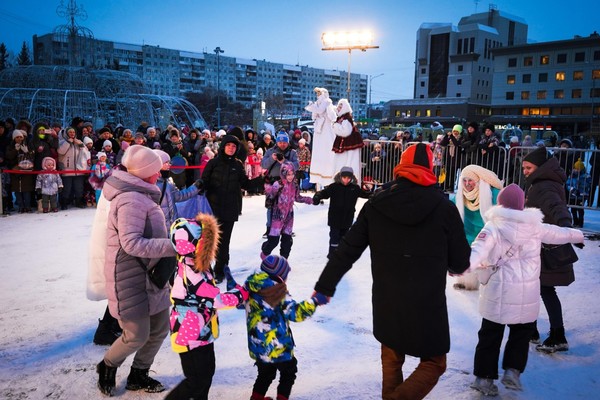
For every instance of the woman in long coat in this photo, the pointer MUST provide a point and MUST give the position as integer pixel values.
(323, 113)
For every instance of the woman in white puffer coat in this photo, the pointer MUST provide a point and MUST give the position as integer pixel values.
(509, 295)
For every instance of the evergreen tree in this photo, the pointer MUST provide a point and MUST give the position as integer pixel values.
(3, 57)
(23, 58)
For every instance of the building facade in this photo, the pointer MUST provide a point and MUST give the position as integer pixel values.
(174, 72)
(549, 86)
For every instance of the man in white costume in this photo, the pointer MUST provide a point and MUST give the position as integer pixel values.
(323, 113)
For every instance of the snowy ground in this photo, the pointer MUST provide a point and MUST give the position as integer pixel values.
(47, 323)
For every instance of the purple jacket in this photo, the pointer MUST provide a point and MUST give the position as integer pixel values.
(135, 228)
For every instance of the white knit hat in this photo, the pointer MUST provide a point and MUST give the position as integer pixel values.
(107, 143)
(164, 156)
(87, 140)
(18, 132)
(142, 162)
(101, 154)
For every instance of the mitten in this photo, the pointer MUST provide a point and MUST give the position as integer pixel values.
(579, 245)
(199, 184)
(319, 299)
(231, 283)
(316, 200)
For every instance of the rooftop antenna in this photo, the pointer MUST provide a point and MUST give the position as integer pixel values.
(476, 4)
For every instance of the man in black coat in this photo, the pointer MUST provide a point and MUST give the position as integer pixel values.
(223, 180)
(416, 236)
(344, 193)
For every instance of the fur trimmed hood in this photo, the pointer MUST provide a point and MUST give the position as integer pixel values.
(196, 240)
(507, 221)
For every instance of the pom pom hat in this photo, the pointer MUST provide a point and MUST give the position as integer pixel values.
(277, 267)
(512, 197)
(142, 162)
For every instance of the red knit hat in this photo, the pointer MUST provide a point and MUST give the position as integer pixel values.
(416, 165)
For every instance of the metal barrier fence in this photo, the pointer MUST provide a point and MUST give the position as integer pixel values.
(582, 166)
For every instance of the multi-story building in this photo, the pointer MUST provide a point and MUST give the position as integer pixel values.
(549, 86)
(175, 72)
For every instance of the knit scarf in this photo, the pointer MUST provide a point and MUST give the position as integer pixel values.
(473, 199)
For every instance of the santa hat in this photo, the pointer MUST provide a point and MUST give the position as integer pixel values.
(416, 165)
(512, 197)
(277, 267)
(142, 162)
(196, 239)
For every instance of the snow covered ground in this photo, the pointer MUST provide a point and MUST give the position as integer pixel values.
(47, 323)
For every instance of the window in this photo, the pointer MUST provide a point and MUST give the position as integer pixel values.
(526, 78)
(580, 56)
(510, 95)
(527, 61)
(457, 94)
(544, 60)
(438, 112)
(543, 77)
(525, 95)
(560, 76)
(512, 62)
(559, 94)
(594, 92)
(423, 70)
(541, 95)
(577, 75)
(422, 84)
(459, 46)
(428, 113)
(561, 58)
(596, 55)
(596, 74)
(417, 113)
(510, 79)
(459, 81)
(576, 93)
(459, 68)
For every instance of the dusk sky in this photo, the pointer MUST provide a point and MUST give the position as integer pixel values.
(289, 32)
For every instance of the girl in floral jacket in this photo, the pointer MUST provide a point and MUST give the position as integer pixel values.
(196, 298)
(48, 185)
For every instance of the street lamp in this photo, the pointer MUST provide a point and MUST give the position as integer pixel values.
(218, 51)
(355, 40)
(370, 91)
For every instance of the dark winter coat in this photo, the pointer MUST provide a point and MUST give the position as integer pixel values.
(20, 183)
(343, 201)
(224, 178)
(547, 192)
(415, 236)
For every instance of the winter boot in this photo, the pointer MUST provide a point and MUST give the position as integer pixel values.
(106, 378)
(556, 341)
(258, 396)
(139, 379)
(511, 379)
(281, 397)
(485, 386)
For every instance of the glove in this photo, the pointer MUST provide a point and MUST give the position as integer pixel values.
(279, 156)
(316, 200)
(231, 283)
(38, 191)
(319, 299)
(579, 245)
(199, 184)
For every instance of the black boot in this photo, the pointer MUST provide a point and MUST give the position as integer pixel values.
(535, 335)
(555, 342)
(139, 379)
(106, 378)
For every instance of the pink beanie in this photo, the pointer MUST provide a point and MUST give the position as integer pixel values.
(512, 197)
(142, 162)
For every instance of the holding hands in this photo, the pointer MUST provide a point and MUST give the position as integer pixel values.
(320, 299)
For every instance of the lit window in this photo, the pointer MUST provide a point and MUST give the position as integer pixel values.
(544, 60)
(576, 93)
(528, 61)
(560, 76)
(541, 94)
(428, 113)
(510, 79)
(559, 94)
(596, 74)
(577, 75)
(525, 95)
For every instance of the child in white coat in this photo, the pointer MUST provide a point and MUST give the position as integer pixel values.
(506, 256)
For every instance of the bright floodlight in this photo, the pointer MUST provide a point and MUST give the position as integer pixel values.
(348, 40)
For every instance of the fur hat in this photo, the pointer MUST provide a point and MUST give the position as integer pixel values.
(416, 165)
(142, 162)
(87, 140)
(478, 173)
(457, 128)
(538, 156)
(107, 143)
(345, 109)
(101, 154)
(283, 137)
(512, 197)
(260, 151)
(196, 239)
(276, 267)
(18, 132)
